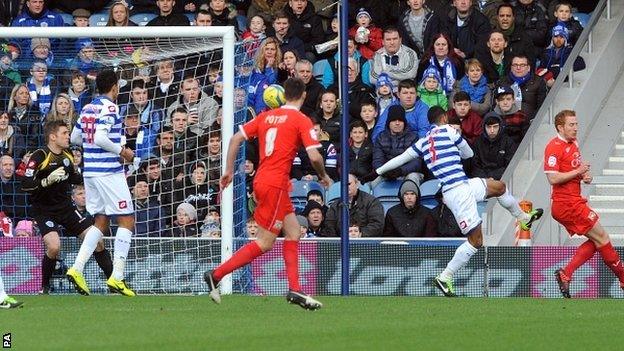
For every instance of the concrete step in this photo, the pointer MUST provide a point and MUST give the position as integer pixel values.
(618, 150)
(607, 201)
(610, 217)
(613, 172)
(616, 162)
(609, 189)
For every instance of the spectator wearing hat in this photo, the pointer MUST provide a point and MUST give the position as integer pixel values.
(415, 111)
(85, 61)
(367, 36)
(395, 59)
(394, 141)
(529, 89)
(364, 208)
(314, 215)
(409, 218)
(563, 15)
(303, 226)
(81, 17)
(41, 49)
(493, 150)
(197, 191)
(35, 14)
(469, 120)
(430, 89)
(150, 218)
(167, 17)
(418, 25)
(385, 93)
(515, 120)
(24, 228)
(556, 54)
(306, 25)
(185, 224)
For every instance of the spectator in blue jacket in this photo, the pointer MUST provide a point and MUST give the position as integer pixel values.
(150, 219)
(264, 74)
(415, 111)
(35, 14)
(556, 54)
(149, 116)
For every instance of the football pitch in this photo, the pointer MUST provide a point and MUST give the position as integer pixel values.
(344, 323)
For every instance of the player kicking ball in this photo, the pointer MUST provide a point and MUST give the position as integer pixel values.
(280, 133)
(565, 171)
(7, 301)
(49, 175)
(442, 150)
(100, 131)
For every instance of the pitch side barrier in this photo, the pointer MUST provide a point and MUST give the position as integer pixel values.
(378, 267)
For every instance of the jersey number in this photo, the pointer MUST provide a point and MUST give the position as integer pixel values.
(269, 143)
(432, 149)
(88, 128)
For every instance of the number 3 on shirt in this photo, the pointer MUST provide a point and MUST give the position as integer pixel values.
(269, 143)
(88, 128)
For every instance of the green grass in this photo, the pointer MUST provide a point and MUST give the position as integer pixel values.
(351, 323)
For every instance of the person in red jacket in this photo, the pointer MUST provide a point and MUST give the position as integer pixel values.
(471, 122)
(367, 37)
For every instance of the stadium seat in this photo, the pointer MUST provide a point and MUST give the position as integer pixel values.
(299, 192)
(333, 193)
(98, 20)
(67, 18)
(387, 189)
(583, 18)
(142, 18)
(318, 69)
(429, 193)
(387, 204)
(366, 188)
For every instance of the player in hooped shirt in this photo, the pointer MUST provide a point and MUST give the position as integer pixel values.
(100, 131)
(565, 171)
(442, 150)
(280, 134)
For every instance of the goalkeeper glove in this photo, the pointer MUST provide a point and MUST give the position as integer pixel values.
(58, 175)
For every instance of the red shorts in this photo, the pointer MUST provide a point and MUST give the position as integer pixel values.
(575, 216)
(272, 205)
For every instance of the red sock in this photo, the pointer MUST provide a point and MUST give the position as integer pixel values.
(240, 258)
(612, 260)
(582, 255)
(290, 250)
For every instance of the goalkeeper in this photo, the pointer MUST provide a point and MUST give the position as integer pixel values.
(49, 174)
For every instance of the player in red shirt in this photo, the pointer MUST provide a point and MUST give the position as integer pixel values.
(280, 133)
(565, 170)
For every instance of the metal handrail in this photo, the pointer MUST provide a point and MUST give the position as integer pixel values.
(526, 149)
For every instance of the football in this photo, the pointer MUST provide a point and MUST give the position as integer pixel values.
(273, 96)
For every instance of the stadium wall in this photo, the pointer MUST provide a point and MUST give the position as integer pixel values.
(377, 267)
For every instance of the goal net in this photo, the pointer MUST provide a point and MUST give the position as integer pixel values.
(183, 92)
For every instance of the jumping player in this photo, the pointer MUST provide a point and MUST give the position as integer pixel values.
(49, 175)
(443, 148)
(280, 133)
(99, 130)
(565, 170)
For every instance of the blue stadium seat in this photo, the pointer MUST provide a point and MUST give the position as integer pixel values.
(387, 204)
(67, 18)
(481, 207)
(333, 193)
(318, 69)
(366, 188)
(142, 18)
(429, 193)
(583, 18)
(387, 189)
(98, 20)
(300, 188)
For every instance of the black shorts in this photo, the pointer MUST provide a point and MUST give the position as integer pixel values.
(70, 219)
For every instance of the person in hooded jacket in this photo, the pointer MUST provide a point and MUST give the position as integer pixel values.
(197, 190)
(409, 218)
(493, 150)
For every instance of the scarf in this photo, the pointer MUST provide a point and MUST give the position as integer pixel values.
(476, 92)
(517, 85)
(447, 73)
(44, 98)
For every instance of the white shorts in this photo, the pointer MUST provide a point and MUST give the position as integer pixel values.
(108, 195)
(462, 201)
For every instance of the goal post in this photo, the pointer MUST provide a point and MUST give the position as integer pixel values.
(225, 40)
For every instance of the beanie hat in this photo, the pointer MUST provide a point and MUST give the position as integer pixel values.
(36, 42)
(311, 205)
(188, 209)
(302, 221)
(24, 226)
(431, 72)
(395, 112)
(408, 185)
(83, 43)
(560, 30)
(502, 90)
(362, 12)
(384, 79)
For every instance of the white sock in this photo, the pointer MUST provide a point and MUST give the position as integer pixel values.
(89, 243)
(462, 255)
(123, 238)
(511, 204)
(3, 294)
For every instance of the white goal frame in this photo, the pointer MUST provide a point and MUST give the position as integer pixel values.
(228, 37)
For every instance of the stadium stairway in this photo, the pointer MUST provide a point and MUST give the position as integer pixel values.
(595, 94)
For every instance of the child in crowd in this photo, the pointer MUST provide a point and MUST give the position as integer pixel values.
(85, 60)
(563, 15)
(252, 228)
(256, 30)
(367, 36)
(385, 93)
(303, 226)
(79, 91)
(516, 122)
(185, 224)
(430, 90)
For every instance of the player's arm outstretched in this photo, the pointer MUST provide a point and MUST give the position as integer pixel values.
(396, 162)
(31, 180)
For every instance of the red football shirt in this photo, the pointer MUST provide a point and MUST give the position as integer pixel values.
(563, 156)
(280, 133)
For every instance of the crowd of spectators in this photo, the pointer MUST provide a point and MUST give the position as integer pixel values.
(489, 63)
